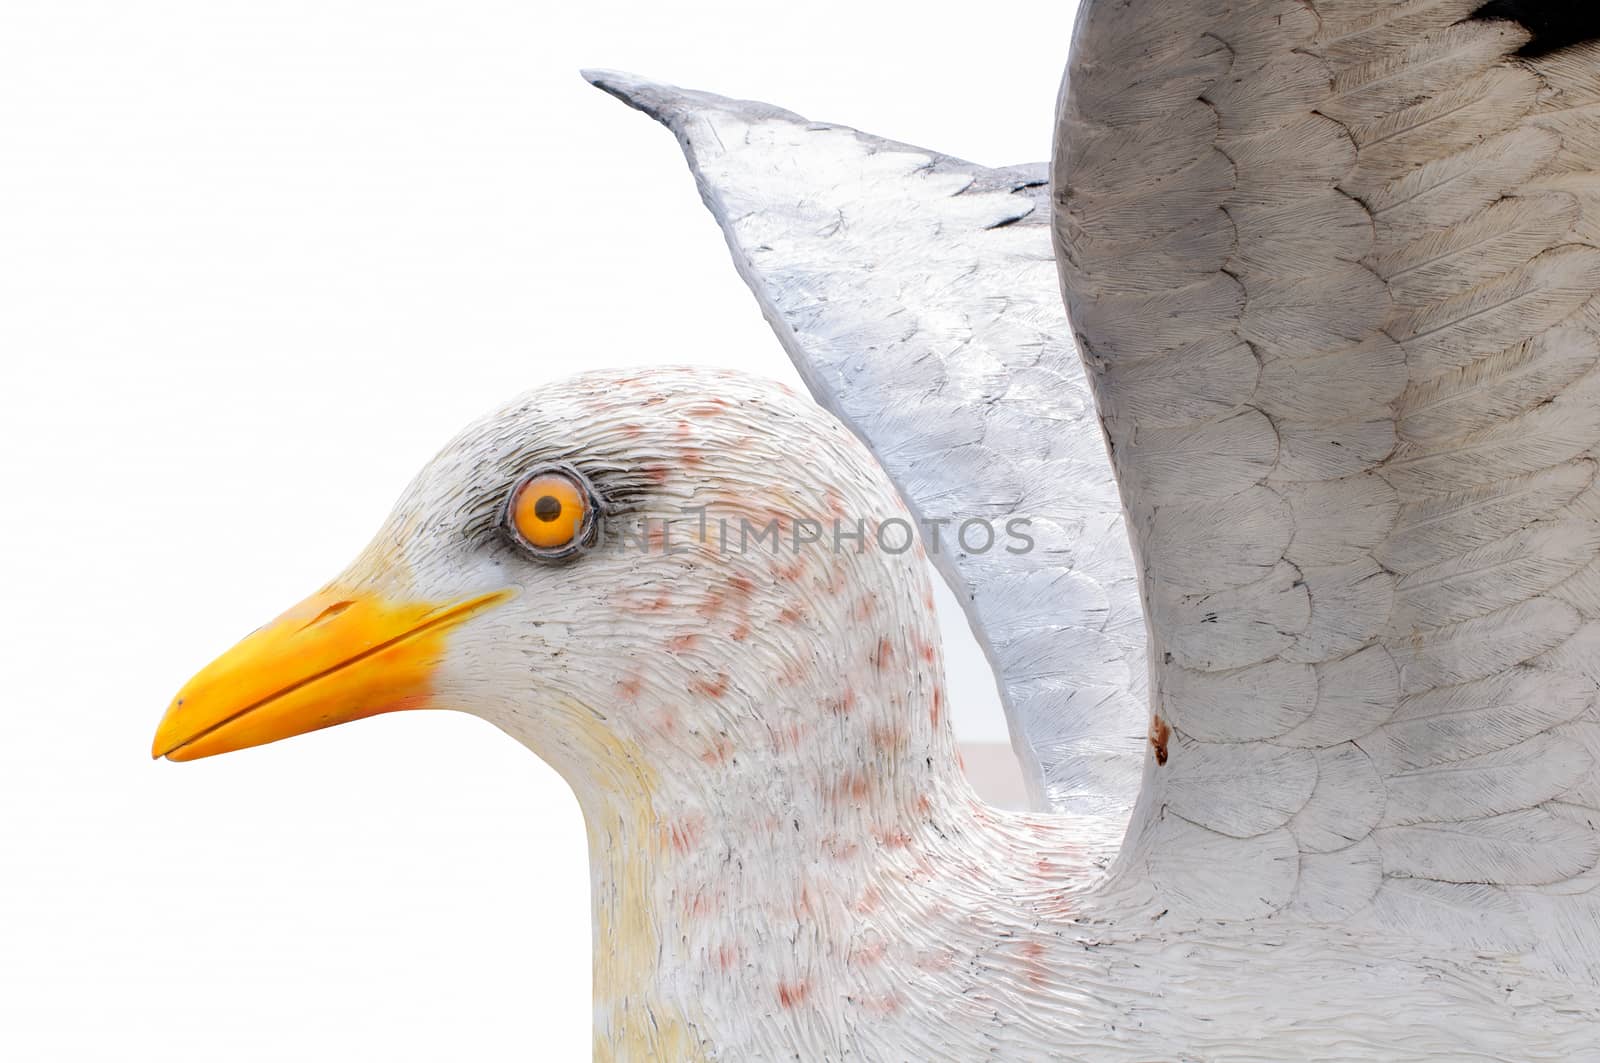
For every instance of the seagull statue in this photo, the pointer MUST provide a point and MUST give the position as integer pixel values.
(1281, 530)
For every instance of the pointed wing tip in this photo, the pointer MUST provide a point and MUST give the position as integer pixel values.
(617, 82)
(667, 104)
(637, 92)
(671, 105)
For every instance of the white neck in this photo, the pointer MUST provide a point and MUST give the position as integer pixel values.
(783, 797)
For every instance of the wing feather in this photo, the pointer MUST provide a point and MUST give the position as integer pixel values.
(916, 294)
(1394, 524)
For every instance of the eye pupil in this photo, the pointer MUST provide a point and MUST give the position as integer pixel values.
(548, 508)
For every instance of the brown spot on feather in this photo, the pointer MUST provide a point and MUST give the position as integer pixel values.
(1160, 733)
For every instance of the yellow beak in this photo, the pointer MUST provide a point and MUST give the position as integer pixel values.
(333, 658)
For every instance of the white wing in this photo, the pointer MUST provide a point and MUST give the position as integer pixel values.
(917, 295)
(1332, 265)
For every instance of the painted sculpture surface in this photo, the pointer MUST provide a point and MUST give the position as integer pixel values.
(1331, 267)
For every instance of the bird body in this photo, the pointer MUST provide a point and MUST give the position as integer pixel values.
(786, 859)
(1298, 656)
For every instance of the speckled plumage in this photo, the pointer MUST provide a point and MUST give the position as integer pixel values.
(757, 738)
(1332, 268)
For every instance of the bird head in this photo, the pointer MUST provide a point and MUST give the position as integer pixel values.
(672, 567)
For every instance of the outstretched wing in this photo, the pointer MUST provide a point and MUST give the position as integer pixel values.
(917, 295)
(1332, 266)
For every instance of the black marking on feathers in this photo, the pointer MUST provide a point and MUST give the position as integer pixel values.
(1555, 24)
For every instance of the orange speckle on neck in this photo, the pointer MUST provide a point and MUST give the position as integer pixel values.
(1032, 965)
(839, 848)
(892, 839)
(788, 739)
(838, 579)
(712, 688)
(854, 786)
(882, 655)
(887, 737)
(681, 835)
(886, 1004)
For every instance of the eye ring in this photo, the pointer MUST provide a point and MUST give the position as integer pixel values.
(552, 512)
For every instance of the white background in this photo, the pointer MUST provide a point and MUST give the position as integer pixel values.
(257, 261)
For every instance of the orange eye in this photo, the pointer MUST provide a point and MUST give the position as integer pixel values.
(551, 512)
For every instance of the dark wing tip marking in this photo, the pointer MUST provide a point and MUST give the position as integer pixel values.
(1555, 24)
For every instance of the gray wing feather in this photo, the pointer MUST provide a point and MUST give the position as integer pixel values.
(917, 295)
(1333, 267)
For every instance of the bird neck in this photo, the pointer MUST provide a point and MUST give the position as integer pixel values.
(691, 895)
(732, 804)
(694, 886)
(794, 895)
(769, 746)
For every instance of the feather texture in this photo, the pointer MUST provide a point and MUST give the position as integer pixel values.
(915, 294)
(1331, 267)
(1415, 211)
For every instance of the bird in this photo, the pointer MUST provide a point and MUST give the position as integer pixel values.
(1286, 362)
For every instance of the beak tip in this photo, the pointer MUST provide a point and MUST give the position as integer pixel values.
(164, 741)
